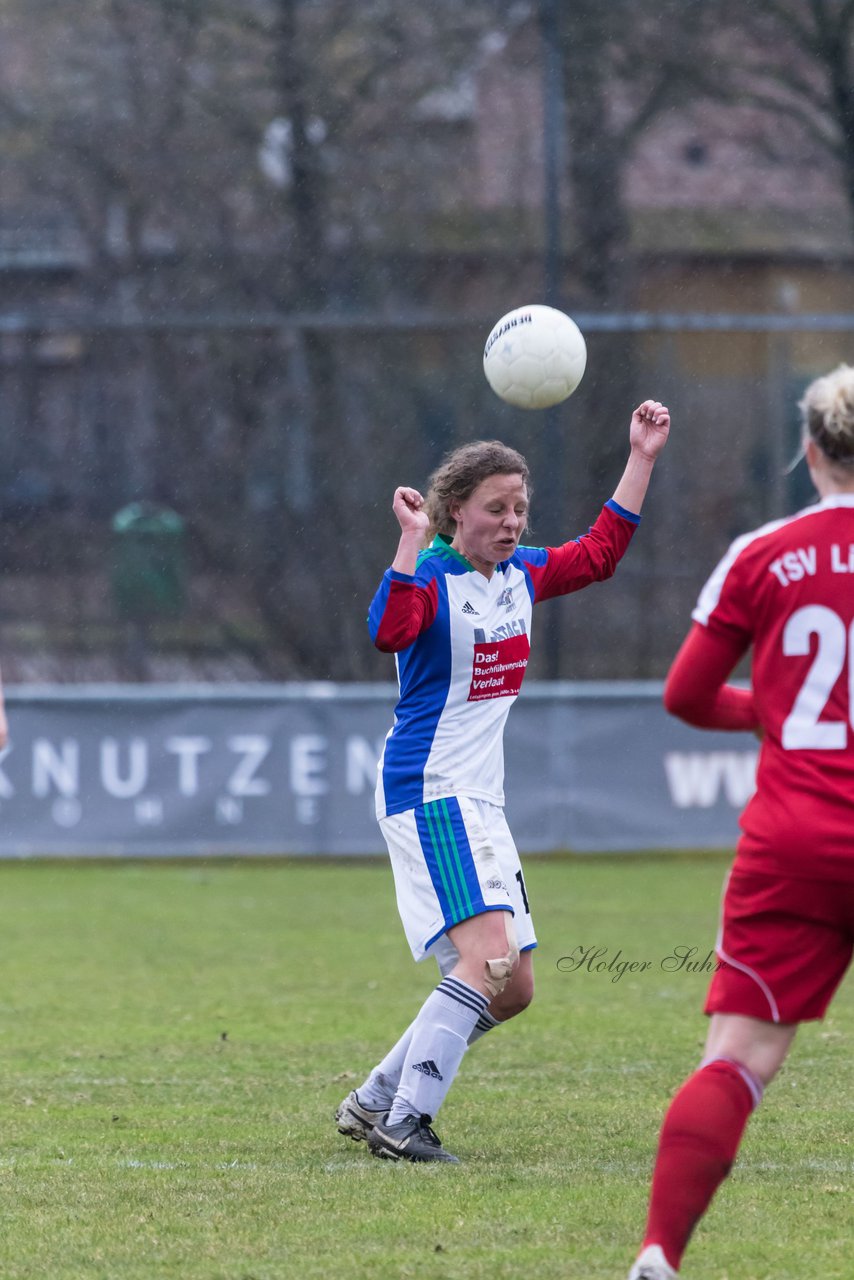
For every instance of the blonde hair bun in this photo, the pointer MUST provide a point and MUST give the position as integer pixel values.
(827, 409)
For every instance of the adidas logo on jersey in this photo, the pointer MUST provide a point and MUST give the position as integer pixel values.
(428, 1068)
(467, 608)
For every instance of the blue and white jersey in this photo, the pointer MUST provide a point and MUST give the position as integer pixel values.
(461, 643)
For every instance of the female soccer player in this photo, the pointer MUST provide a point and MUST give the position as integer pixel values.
(787, 926)
(457, 615)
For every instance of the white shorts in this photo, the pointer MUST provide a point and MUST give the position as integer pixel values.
(453, 859)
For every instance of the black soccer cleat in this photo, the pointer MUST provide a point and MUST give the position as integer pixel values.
(412, 1140)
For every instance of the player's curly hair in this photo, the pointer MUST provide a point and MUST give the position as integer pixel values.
(827, 412)
(459, 474)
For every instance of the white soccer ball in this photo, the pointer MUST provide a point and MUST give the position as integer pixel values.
(534, 357)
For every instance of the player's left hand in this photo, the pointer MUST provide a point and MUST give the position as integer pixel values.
(650, 428)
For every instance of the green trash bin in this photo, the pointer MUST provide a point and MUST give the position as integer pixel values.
(149, 567)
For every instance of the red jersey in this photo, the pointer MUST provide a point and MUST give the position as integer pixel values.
(787, 589)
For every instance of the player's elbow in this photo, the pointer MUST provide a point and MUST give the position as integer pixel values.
(385, 644)
(607, 565)
(690, 711)
(670, 698)
(684, 706)
(602, 567)
(393, 639)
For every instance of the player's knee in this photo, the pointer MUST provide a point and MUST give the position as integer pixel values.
(514, 999)
(524, 992)
(498, 972)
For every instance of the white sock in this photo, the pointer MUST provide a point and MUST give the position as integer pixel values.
(447, 958)
(377, 1092)
(484, 1023)
(439, 1039)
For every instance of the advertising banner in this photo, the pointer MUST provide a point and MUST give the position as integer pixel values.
(291, 769)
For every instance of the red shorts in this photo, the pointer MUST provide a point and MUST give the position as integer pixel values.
(784, 946)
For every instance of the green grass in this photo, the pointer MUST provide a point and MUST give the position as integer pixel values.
(174, 1039)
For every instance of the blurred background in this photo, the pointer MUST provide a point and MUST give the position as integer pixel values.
(250, 251)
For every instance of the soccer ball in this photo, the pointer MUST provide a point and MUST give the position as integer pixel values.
(534, 357)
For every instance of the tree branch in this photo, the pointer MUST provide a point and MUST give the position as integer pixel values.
(802, 118)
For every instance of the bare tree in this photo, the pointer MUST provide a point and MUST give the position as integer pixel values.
(795, 61)
(625, 65)
(148, 123)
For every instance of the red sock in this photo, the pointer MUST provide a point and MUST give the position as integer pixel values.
(698, 1143)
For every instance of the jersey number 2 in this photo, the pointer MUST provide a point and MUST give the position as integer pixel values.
(802, 728)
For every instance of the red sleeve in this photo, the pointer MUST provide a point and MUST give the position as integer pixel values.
(400, 612)
(696, 690)
(556, 571)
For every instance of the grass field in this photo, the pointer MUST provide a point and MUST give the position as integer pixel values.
(175, 1039)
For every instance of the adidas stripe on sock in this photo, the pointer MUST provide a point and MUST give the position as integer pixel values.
(439, 1040)
(485, 1023)
(378, 1090)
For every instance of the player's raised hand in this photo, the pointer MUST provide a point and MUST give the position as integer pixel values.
(408, 506)
(650, 428)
